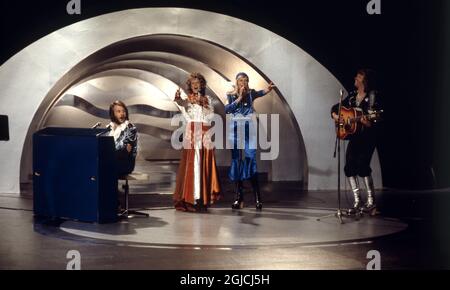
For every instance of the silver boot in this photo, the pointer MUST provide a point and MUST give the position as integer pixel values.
(370, 188)
(354, 184)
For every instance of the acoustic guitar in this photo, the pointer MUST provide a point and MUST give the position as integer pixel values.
(351, 121)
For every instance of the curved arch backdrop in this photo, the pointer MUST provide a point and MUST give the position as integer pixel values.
(159, 46)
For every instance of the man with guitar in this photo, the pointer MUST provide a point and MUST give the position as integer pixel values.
(359, 115)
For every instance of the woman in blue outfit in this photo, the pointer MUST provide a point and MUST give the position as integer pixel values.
(243, 130)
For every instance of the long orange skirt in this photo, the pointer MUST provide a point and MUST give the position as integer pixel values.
(198, 184)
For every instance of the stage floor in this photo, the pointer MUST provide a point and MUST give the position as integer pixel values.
(410, 233)
(227, 228)
(280, 237)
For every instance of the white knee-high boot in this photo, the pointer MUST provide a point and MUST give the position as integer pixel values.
(370, 188)
(354, 184)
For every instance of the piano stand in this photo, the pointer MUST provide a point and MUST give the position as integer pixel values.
(127, 213)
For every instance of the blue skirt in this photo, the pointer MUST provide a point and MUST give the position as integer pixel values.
(243, 161)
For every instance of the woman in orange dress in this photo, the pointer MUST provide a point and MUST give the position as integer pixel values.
(197, 184)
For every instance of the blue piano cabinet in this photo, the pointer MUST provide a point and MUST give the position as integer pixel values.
(74, 175)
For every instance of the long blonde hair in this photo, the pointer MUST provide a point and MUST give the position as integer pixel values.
(235, 89)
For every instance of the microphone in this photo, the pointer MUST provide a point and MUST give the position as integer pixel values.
(341, 95)
(96, 125)
(199, 99)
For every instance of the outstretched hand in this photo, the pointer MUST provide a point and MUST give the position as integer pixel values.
(178, 94)
(269, 88)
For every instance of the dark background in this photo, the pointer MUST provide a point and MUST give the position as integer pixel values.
(407, 45)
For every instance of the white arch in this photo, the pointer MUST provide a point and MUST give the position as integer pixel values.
(308, 87)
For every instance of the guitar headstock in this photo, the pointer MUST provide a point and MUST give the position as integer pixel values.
(375, 115)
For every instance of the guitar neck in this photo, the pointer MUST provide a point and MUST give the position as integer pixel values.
(357, 119)
(368, 116)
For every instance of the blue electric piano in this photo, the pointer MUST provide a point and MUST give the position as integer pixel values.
(74, 174)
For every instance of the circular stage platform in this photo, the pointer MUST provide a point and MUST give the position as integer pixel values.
(225, 228)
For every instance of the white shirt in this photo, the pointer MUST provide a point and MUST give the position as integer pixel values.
(195, 112)
(116, 130)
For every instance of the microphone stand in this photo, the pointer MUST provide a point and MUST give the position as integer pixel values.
(105, 130)
(98, 124)
(337, 146)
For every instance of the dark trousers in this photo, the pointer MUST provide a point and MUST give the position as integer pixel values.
(125, 163)
(359, 153)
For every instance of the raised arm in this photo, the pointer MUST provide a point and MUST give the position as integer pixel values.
(179, 100)
(265, 91)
